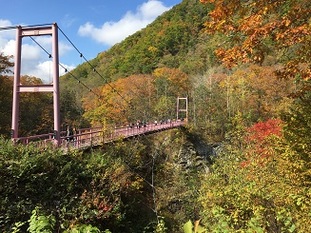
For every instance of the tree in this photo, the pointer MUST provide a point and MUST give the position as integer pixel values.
(249, 188)
(36, 110)
(71, 110)
(5, 64)
(255, 28)
(170, 83)
(296, 151)
(6, 87)
(256, 92)
(121, 102)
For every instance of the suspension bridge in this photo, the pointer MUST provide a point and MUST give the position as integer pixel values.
(81, 138)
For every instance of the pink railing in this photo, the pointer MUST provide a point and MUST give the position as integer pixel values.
(89, 137)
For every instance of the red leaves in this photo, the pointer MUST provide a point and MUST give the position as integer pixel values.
(260, 142)
(260, 132)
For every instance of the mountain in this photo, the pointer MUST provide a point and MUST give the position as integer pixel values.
(170, 41)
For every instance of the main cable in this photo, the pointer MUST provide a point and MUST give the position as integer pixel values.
(100, 97)
(26, 26)
(50, 55)
(65, 69)
(93, 68)
(130, 105)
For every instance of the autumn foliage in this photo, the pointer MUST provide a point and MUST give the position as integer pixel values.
(256, 27)
(137, 97)
(260, 140)
(261, 131)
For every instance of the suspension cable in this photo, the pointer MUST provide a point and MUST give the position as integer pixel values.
(72, 75)
(93, 68)
(50, 55)
(66, 70)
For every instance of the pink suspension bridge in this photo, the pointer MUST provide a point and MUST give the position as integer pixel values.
(91, 137)
(82, 138)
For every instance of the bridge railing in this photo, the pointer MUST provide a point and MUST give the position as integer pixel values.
(42, 140)
(88, 137)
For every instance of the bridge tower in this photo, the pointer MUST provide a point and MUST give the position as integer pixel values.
(54, 87)
(182, 106)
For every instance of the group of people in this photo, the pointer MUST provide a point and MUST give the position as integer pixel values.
(70, 133)
(140, 124)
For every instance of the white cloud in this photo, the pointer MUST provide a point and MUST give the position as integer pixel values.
(111, 33)
(8, 47)
(30, 52)
(44, 70)
(64, 48)
(5, 35)
(5, 23)
(68, 20)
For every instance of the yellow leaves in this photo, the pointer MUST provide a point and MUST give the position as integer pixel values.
(287, 22)
(250, 23)
(256, 89)
(138, 183)
(152, 49)
(230, 57)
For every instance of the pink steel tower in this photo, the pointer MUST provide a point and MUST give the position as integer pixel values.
(54, 87)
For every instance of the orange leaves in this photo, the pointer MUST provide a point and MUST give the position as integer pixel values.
(135, 98)
(231, 57)
(118, 99)
(292, 36)
(256, 27)
(250, 23)
(219, 13)
(207, 1)
(179, 81)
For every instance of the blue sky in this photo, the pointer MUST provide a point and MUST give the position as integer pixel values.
(92, 25)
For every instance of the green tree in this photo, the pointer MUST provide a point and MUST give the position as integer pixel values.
(6, 88)
(71, 110)
(247, 190)
(297, 150)
(36, 110)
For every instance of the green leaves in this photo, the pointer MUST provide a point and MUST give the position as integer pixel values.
(85, 229)
(252, 188)
(39, 223)
(190, 228)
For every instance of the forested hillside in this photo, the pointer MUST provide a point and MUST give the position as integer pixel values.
(242, 164)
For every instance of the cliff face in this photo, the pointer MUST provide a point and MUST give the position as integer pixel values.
(178, 166)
